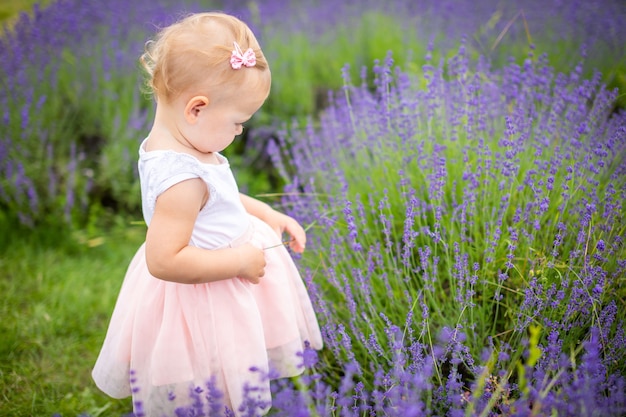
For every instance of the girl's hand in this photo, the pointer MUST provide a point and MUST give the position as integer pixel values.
(281, 223)
(252, 263)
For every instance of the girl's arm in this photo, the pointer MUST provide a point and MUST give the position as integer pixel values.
(280, 222)
(169, 255)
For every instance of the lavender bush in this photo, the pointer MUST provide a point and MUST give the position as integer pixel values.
(467, 242)
(71, 106)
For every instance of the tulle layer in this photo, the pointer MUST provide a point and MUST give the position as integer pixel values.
(166, 342)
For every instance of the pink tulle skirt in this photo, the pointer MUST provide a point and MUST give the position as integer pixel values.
(173, 345)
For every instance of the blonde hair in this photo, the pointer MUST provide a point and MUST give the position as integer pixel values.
(195, 53)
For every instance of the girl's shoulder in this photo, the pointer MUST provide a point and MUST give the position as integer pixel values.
(161, 169)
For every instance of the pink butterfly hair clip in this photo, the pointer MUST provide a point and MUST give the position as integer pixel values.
(239, 58)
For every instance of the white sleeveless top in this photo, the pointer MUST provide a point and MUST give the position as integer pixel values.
(222, 219)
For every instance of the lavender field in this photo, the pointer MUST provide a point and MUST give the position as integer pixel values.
(459, 167)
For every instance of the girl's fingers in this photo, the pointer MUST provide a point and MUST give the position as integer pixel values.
(298, 236)
(297, 241)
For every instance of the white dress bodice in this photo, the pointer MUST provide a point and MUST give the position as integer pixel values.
(222, 219)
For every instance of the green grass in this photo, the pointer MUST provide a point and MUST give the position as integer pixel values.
(58, 291)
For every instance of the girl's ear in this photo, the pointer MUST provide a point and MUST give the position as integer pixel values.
(194, 106)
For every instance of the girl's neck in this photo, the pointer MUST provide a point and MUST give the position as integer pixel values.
(166, 135)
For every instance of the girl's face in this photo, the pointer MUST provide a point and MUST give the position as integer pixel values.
(222, 120)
